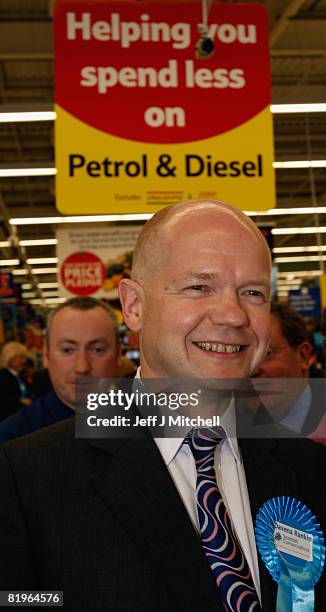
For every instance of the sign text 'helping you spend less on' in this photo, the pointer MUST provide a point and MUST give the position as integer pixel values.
(143, 120)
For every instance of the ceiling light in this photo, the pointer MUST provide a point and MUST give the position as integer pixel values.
(299, 249)
(20, 271)
(38, 242)
(79, 219)
(304, 210)
(9, 262)
(28, 116)
(281, 231)
(316, 163)
(319, 107)
(44, 270)
(26, 286)
(57, 300)
(42, 260)
(135, 217)
(12, 172)
(28, 294)
(36, 301)
(13, 117)
(304, 258)
(48, 285)
(5, 244)
(300, 273)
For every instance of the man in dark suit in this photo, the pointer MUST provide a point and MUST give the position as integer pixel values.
(113, 522)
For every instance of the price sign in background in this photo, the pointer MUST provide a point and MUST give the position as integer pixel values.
(143, 122)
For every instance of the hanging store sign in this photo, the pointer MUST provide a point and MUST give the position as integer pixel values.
(94, 258)
(145, 117)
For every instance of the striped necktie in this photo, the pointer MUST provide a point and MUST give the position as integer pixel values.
(219, 541)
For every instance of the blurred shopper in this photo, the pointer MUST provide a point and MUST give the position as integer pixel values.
(81, 340)
(296, 404)
(12, 386)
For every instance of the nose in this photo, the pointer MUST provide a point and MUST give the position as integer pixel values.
(82, 363)
(226, 309)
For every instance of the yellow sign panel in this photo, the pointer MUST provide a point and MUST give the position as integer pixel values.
(99, 173)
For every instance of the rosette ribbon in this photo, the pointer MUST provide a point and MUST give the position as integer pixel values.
(291, 544)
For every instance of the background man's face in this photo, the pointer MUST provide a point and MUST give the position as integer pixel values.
(205, 313)
(284, 361)
(81, 343)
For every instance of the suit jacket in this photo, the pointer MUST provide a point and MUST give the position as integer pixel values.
(101, 520)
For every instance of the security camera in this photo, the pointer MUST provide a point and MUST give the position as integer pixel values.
(205, 47)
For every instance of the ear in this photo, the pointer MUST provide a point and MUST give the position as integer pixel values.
(131, 294)
(304, 351)
(45, 355)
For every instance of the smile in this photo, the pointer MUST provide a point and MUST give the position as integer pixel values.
(219, 348)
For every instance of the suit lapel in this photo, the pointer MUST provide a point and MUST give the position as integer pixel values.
(266, 478)
(137, 488)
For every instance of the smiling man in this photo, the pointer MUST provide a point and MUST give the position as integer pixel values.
(137, 511)
(201, 303)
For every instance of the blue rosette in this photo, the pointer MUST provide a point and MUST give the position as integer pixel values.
(291, 544)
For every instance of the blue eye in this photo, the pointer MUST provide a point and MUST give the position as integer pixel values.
(256, 295)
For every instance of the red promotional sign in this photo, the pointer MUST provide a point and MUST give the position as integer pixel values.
(146, 118)
(82, 273)
(134, 68)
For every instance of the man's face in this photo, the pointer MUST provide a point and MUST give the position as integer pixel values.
(81, 343)
(283, 360)
(205, 313)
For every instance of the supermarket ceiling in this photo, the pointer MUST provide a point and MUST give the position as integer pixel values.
(298, 65)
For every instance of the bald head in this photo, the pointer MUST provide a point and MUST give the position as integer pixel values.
(200, 293)
(152, 246)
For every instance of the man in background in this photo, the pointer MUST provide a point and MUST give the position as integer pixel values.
(81, 341)
(298, 403)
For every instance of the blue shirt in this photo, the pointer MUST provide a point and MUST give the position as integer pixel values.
(296, 417)
(44, 411)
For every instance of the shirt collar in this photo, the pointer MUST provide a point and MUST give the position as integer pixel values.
(169, 447)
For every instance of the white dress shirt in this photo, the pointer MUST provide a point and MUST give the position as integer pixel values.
(230, 478)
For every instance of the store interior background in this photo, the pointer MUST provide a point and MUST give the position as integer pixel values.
(298, 69)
